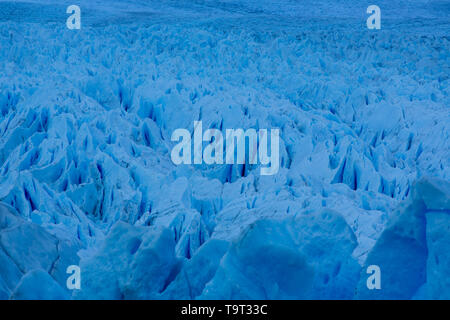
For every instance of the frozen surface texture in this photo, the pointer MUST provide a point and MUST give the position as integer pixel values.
(412, 247)
(86, 178)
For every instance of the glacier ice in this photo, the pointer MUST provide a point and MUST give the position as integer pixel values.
(305, 257)
(26, 252)
(86, 176)
(411, 249)
(39, 285)
(133, 263)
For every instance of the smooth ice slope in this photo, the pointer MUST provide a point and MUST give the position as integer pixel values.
(39, 285)
(86, 176)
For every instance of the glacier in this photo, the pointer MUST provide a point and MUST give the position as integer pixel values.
(86, 176)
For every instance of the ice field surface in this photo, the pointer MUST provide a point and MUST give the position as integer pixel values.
(86, 176)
